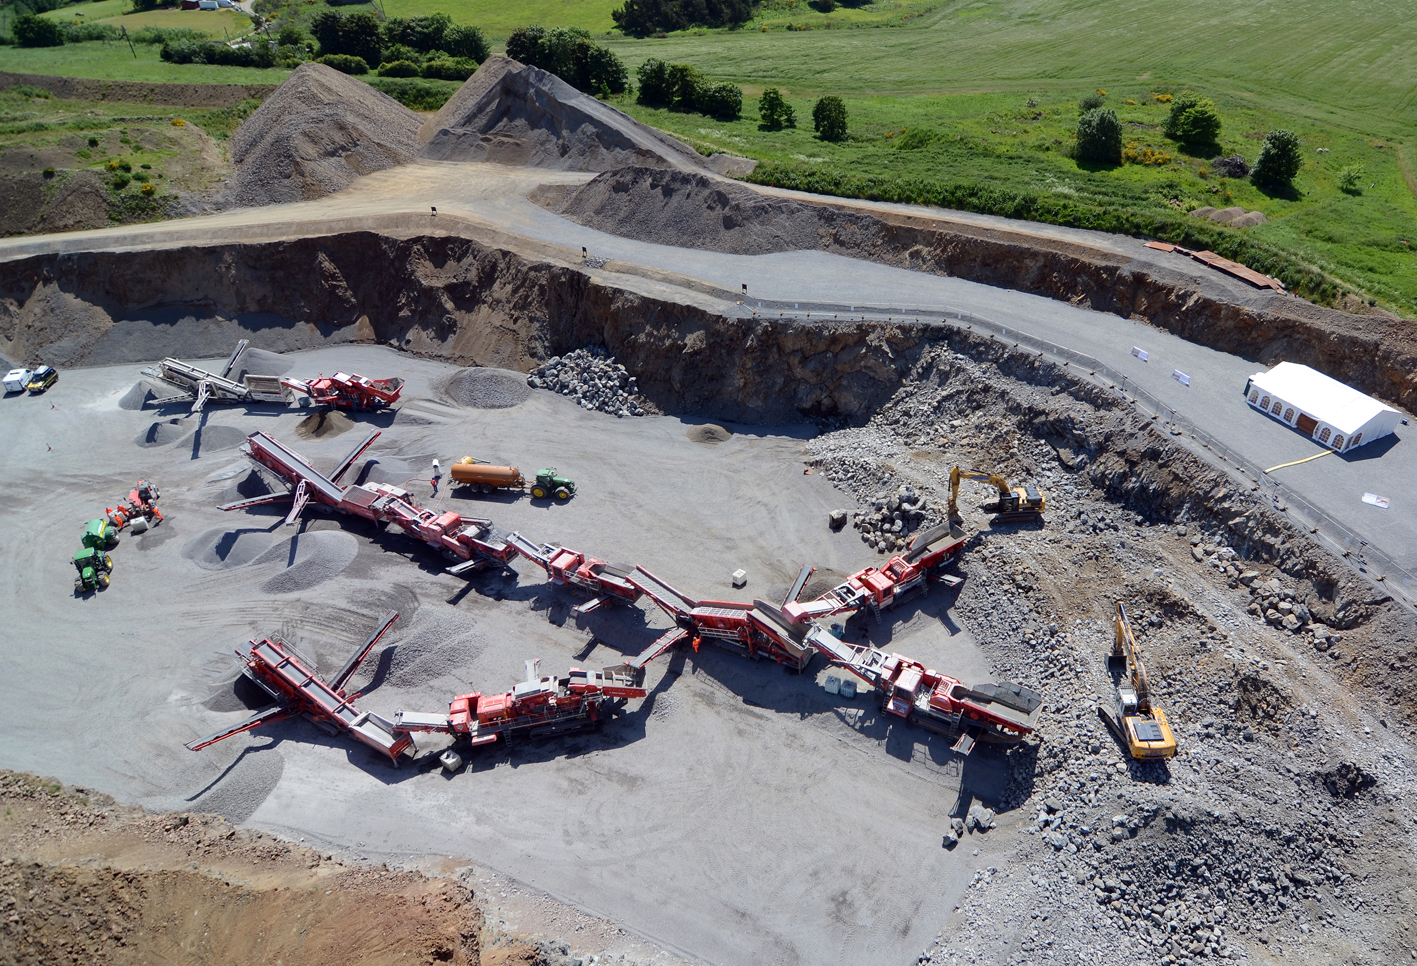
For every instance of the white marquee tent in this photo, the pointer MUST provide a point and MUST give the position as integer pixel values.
(1337, 416)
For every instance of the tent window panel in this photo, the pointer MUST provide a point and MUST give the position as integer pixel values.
(1277, 407)
(1289, 415)
(1338, 441)
(1264, 403)
(1254, 396)
(1323, 436)
(1358, 438)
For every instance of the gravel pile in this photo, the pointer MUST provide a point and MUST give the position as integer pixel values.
(242, 789)
(164, 432)
(220, 549)
(692, 210)
(439, 646)
(508, 113)
(214, 439)
(710, 433)
(139, 396)
(396, 470)
(484, 388)
(318, 132)
(593, 379)
(324, 424)
(319, 555)
(260, 362)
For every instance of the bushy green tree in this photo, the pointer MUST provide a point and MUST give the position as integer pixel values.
(355, 34)
(653, 76)
(684, 83)
(1279, 161)
(1099, 137)
(1091, 103)
(774, 110)
(291, 36)
(829, 118)
(1193, 120)
(463, 40)
(723, 101)
(570, 54)
(32, 31)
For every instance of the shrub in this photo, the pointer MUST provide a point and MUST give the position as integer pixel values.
(32, 31)
(1099, 137)
(645, 18)
(684, 83)
(1349, 179)
(449, 68)
(829, 118)
(161, 35)
(723, 101)
(149, 189)
(399, 68)
(1132, 154)
(1279, 161)
(462, 40)
(416, 95)
(915, 138)
(1193, 120)
(178, 122)
(775, 111)
(291, 36)
(1164, 98)
(1091, 103)
(125, 166)
(121, 181)
(345, 63)
(823, 6)
(93, 142)
(78, 33)
(49, 172)
(653, 76)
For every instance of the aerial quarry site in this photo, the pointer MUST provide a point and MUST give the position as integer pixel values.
(541, 548)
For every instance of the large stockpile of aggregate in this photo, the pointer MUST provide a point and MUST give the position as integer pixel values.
(594, 380)
(488, 388)
(691, 210)
(318, 132)
(508, 113)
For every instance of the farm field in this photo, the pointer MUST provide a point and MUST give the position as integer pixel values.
(214, 23)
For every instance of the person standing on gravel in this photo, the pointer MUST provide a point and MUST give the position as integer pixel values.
(437, 477)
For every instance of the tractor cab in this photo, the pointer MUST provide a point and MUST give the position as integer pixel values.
(93, 566)
(548, 483)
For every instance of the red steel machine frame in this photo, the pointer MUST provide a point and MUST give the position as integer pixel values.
(607, 583)
(141, 502)
(879, 588)
(474, 542)
(345, 390)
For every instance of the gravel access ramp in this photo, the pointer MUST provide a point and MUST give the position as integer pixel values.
(509, 113)
(318, 132)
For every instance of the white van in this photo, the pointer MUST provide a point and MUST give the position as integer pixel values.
(16, 380)
(208, 5)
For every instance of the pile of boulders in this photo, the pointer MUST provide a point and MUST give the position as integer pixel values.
(887, 526)
(593, 379)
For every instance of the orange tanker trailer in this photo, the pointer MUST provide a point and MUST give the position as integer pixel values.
(484, 477)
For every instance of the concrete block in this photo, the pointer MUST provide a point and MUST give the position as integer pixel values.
(740, 577)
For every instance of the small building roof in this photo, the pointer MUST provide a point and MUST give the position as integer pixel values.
(1326, 399)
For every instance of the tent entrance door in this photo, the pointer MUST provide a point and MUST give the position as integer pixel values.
(1307, 424)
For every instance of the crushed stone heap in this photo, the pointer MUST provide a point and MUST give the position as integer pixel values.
(592, 379)
(318, 132)
(508, 113)
(693, 210)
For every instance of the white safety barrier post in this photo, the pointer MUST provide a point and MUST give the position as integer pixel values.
(1180, 377)
(1139, 353)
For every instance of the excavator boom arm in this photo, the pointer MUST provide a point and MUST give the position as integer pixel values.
(959, 473)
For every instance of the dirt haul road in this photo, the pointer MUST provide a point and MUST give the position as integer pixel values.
(724, 816)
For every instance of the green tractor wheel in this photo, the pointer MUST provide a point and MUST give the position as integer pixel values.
(112, 540)
(102, 581)
(108, 561)
(562, 494)
(539, 492)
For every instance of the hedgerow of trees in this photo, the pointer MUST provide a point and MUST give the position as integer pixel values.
(645, 18)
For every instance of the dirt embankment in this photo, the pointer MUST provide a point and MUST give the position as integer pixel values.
(86, 881)
(448, 297)
(132, 92)
(1375, 354)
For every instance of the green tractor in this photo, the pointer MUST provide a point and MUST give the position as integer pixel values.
(549, 484)
(93, 566)
(99, 535)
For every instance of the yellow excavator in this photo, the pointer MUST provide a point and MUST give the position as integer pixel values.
(1139, 725)
(1014, 503)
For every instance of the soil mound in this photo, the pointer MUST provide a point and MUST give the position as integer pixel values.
(219, 549)
(692, 210)
(488, 388)
(508, 113)
(311, 558)
(318, 132)
(164, 432)
(710, 433)
(323, 425)
(214, 439)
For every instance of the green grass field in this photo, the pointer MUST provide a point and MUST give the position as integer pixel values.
(116, 62)
(216, 24)
(965, 71)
